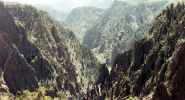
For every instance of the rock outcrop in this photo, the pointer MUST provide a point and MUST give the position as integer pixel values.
(82, 19)
(36, 49)
(74, 65)
(120, 26)
(156, 65)
(16, 56)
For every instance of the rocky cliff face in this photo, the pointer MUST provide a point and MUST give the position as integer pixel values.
(82, 19)
(35, 48)
(153, 69)
(121, 25)
(58, 45)
(17, 56)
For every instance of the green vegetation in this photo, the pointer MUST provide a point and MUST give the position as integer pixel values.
(39, 94)
(19, 24)
(131, 98)
(27, 7)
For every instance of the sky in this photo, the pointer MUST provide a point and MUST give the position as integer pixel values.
(65, 5)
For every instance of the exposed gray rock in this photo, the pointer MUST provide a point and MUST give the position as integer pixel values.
(121, 25)
(74, 65)
(82, 19)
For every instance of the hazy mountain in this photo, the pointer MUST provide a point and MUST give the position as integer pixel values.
(54, 13)
(121, 25)
(176, 1)
(81, 19)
